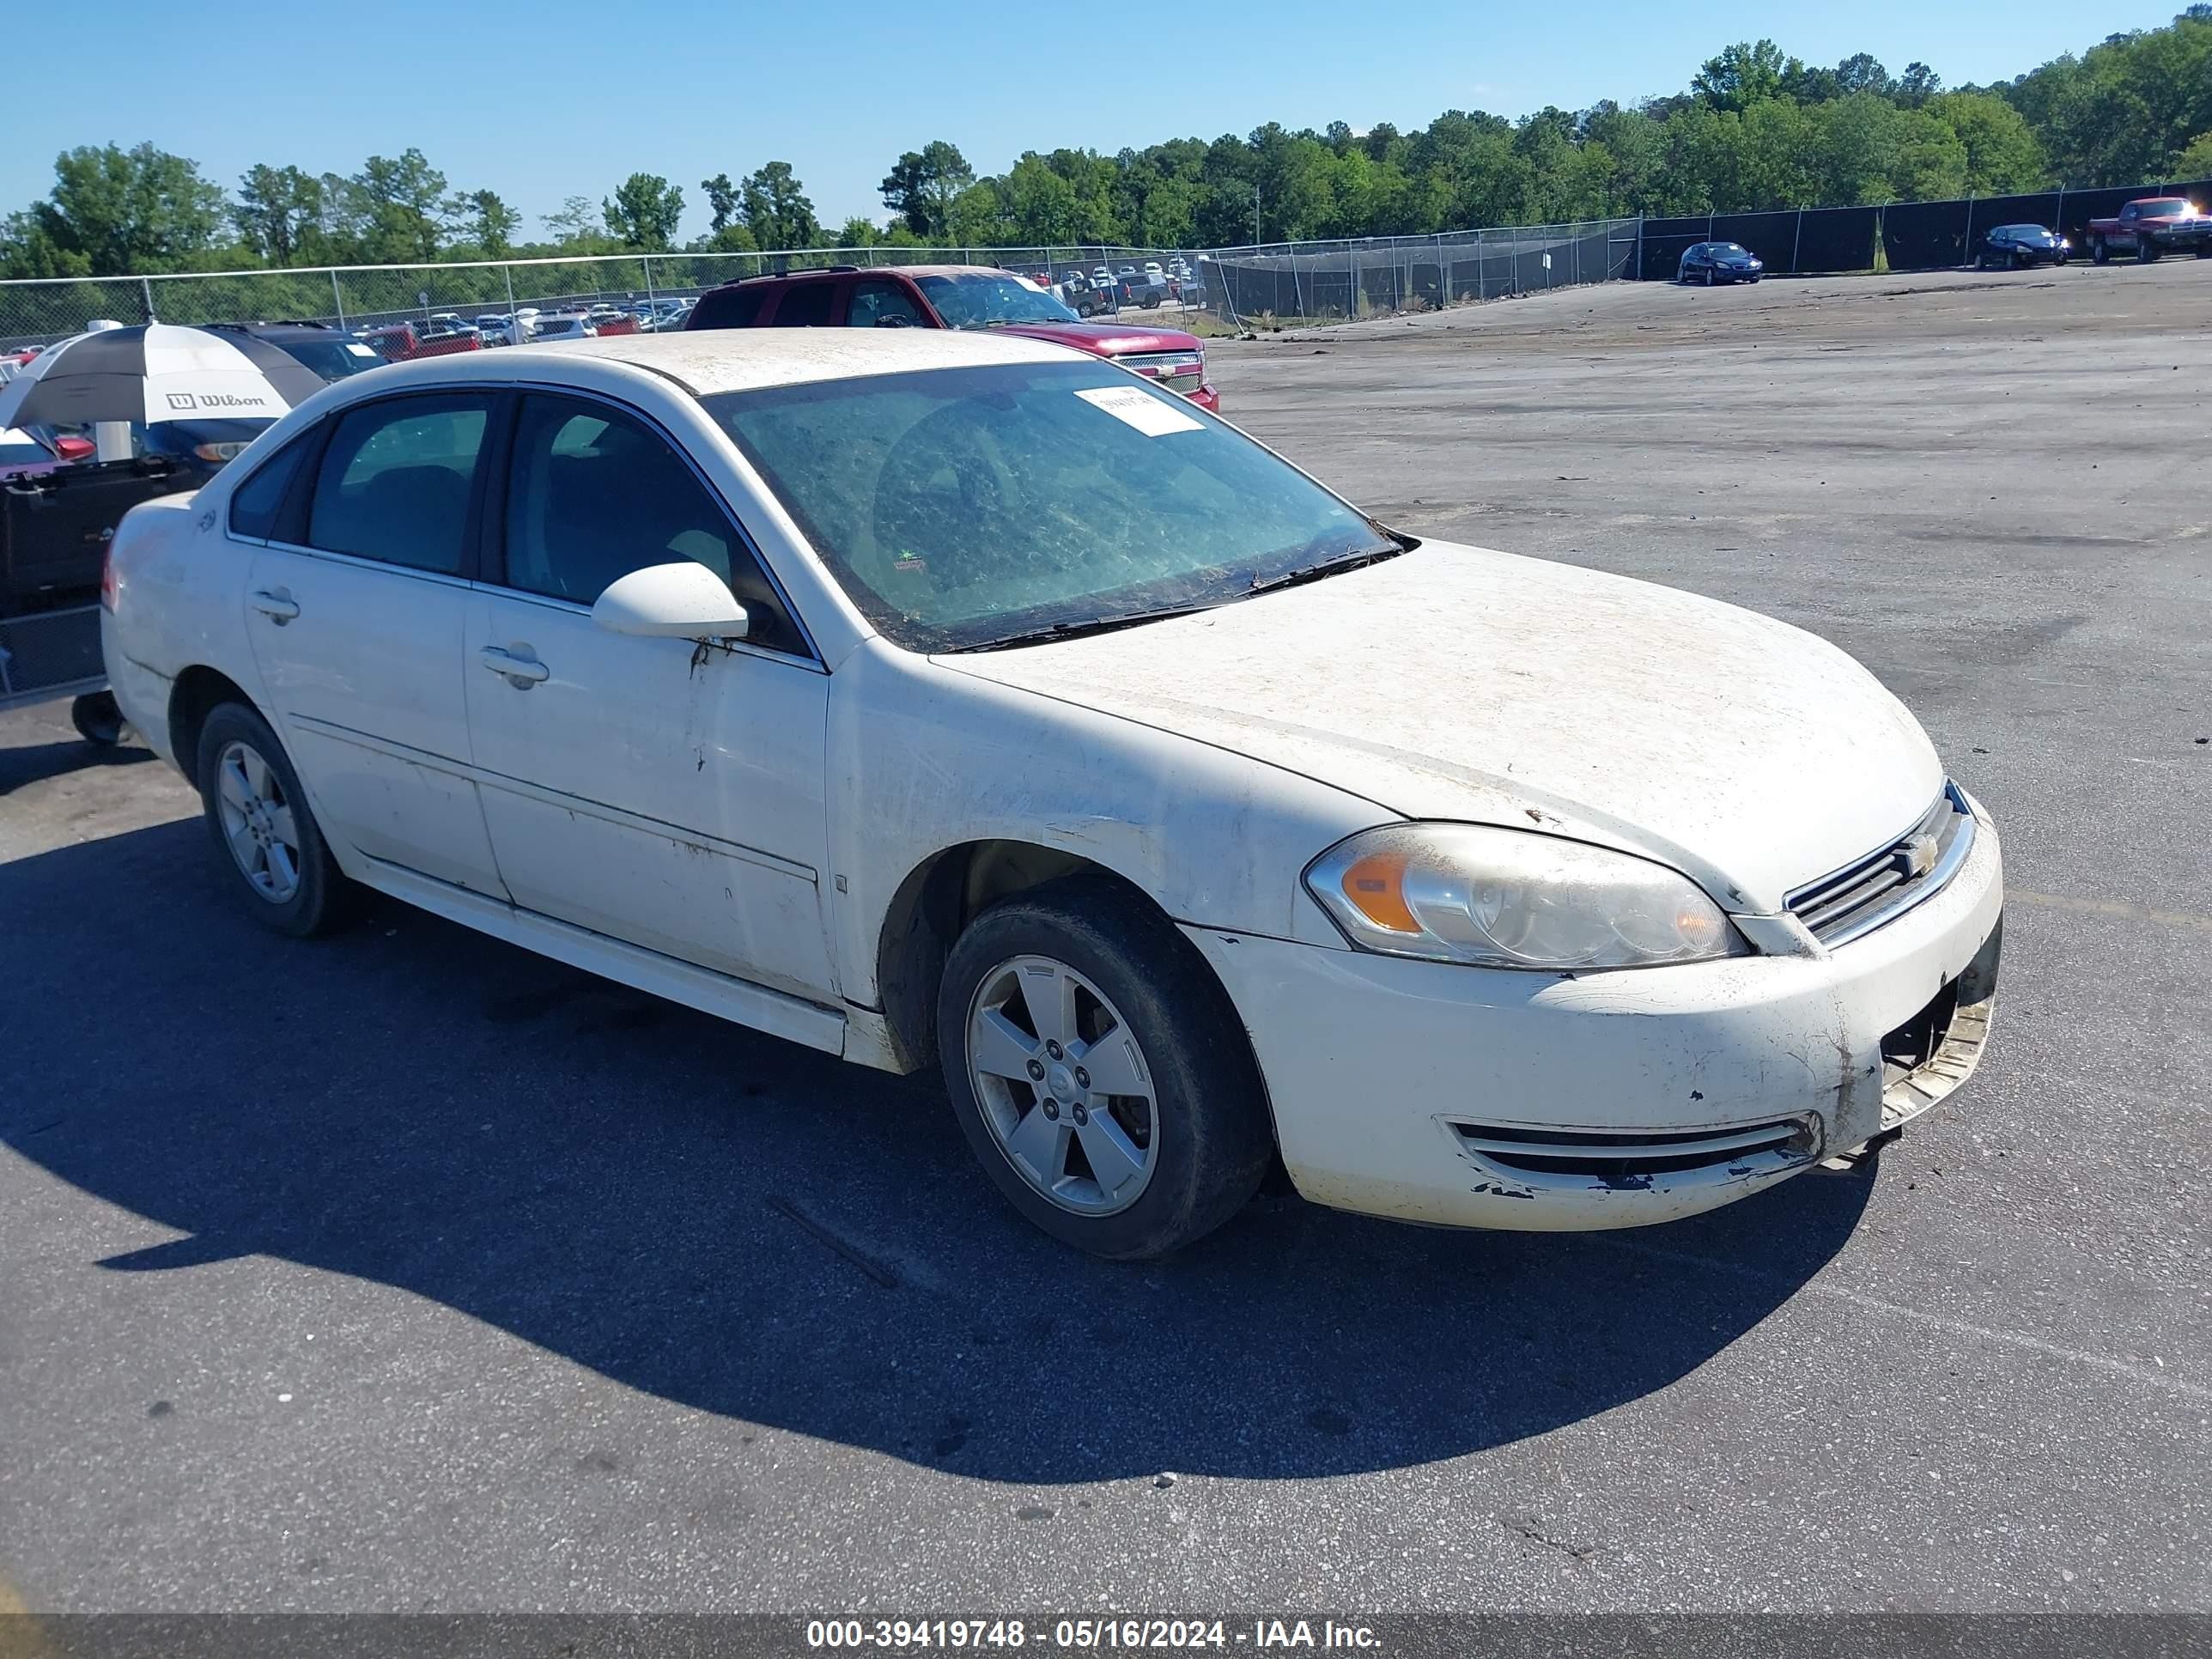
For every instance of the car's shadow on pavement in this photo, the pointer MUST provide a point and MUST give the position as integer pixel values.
(746, 1227)
(21, 767)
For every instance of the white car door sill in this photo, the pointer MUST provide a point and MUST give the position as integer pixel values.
(738, 1001)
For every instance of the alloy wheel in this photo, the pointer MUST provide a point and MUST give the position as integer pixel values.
(258, 824)
(1064, 1086)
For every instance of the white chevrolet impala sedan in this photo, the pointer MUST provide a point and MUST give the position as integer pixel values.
(936, 699)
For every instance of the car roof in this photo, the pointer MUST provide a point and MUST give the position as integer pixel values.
(707, 361)
(866, 270)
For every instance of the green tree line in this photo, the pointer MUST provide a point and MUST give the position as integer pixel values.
(1755, 129)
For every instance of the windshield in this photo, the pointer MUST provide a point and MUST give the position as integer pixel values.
(960, 507)
(332, 359)
(2164, 210)
(986, 298)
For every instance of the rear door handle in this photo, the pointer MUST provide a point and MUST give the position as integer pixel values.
(279, 608)
(521, 673)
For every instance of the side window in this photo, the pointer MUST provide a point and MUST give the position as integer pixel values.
(2129, 211)
(804, 305)
(875, 300)
(727, 307)
(395, 481)
(594, 495)
(256, 504)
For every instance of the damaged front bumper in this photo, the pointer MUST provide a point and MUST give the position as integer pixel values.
(1466, 1097)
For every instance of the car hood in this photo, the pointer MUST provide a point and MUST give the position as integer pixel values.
(1456, 683)
(1105, 339)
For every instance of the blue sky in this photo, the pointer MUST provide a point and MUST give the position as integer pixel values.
(567, 97)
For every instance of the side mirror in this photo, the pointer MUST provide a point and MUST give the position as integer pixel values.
(684, 601)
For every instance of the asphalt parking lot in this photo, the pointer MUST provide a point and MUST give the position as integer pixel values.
(409, 1271)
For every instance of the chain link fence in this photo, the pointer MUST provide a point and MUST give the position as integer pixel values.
(1303, 280)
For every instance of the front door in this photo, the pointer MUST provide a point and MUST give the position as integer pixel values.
(356, 624)
(660, 791)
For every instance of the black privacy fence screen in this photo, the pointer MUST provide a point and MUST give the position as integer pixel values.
(1912, 235)
(1336, 280)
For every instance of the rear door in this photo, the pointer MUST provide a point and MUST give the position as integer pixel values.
(356, 605)
(660, 791)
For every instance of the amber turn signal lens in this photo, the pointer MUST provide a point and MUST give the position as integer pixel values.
(1376, 887)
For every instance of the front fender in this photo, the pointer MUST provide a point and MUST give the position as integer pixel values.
(922, 759)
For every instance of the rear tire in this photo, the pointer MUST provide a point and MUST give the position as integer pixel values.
(264, 835)
(1136, 994)
(2099, 251)
(98, 721)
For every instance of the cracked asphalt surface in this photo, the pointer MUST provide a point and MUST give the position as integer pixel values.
(408, 1271)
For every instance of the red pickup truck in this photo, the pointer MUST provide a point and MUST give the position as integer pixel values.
(952, 296)
(2150, 226)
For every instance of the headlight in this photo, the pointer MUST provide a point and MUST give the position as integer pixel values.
(1501, 899)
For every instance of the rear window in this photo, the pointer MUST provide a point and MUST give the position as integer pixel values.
(727, 307)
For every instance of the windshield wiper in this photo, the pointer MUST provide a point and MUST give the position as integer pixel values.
(1077, 629)
(1324, 568)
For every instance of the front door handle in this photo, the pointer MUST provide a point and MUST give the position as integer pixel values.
(520, 672)
(279, 607)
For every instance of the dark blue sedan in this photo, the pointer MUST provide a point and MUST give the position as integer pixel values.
(2015, 247)
(1719, 262)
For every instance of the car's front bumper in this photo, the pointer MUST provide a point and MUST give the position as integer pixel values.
(1468, 1097)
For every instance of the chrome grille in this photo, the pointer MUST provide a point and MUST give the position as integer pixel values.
(1178, 371)
(1889, 881)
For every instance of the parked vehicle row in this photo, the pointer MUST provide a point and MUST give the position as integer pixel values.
(2146, 228)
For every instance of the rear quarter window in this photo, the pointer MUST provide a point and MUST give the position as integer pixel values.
(256, 504)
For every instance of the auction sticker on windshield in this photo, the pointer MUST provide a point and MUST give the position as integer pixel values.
(1140, 410)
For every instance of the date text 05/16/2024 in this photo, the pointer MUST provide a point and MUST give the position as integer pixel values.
(1089, 1635)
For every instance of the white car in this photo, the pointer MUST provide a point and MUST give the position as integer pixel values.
(931, 697)
(549, 330)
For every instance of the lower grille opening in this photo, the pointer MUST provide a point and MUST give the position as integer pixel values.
(1620, 1158)
(1914, 1043)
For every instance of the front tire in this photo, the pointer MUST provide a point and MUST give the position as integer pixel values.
(1099, 1071)
(264, 835)
(1711, 276)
